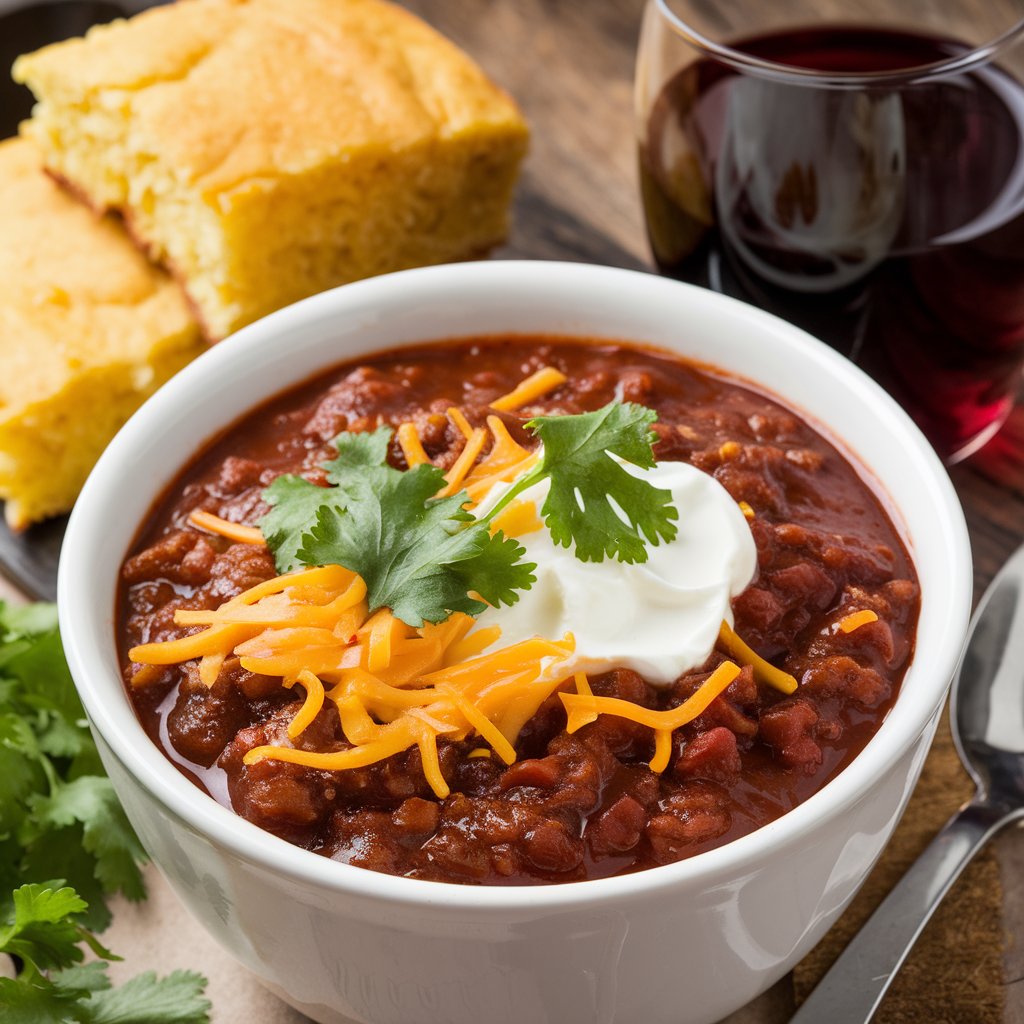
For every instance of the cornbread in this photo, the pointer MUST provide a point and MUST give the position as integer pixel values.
(265, 150)
(88, 329)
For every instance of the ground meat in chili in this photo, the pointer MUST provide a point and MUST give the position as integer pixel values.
(572, 806)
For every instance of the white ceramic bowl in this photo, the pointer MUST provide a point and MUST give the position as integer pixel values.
(681, 944)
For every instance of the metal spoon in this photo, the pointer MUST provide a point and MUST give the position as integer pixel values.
(987, 718)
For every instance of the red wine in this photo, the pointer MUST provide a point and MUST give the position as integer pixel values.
(887, 219)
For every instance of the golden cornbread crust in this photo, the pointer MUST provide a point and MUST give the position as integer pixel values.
(269, 149)
(88, 330)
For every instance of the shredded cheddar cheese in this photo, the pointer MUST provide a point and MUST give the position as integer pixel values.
(535, 386)
(583, 688)
(311, 706)
(411, 445)
(518, 518)
(472, 645)
(146, 675)
(729, 450)
(458, 418)
(462, 465)
(848, 623)
(210, 666)
(746, 509)
(504, 462)
(233, 531)
(662, 750)
(764, 671)
(393, 687)
(582, 707)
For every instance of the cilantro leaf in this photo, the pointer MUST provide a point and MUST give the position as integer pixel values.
(593, 502)
(24, 1003)
(294, 505)
(147, 999)
(419, 556)
(59, 817)
(358, 451)
(489, 565)
(23, 770)
(42, 925)
(295, 502)
(28, 619)
(80, 980)
(38, 926)
(62, 855)
(92, 803)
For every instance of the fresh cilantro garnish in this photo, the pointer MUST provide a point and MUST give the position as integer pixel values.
(593, 503)
(42, 925)
(59, 817)
(426, 557)
(294, 505)
(422, 557)
(295, 502)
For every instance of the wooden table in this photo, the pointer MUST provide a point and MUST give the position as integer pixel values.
(570, 65)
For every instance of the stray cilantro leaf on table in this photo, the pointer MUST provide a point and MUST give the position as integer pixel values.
(39, 927)
(59, 816)
(147, 999)
(42, 925)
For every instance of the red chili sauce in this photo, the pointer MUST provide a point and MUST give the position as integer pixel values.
(572, 806)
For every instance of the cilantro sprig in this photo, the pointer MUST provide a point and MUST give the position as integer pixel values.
(426, 557)
(60, 819)
(419, 556)
(59, 816)
(593, 502)
(42, 925)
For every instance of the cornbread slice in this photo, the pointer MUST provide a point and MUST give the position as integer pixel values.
(265, 150)
(88, 329)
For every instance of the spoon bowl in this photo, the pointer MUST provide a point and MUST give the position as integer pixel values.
(988, 720)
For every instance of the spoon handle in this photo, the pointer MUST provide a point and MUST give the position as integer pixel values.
(855, 984)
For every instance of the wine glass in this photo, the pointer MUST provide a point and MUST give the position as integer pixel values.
(861, 175)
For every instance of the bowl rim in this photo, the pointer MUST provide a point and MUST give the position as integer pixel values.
(87, 631)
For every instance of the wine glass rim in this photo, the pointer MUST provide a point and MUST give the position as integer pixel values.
(971, 58)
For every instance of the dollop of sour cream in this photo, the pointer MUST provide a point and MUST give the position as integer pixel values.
(660, 617)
